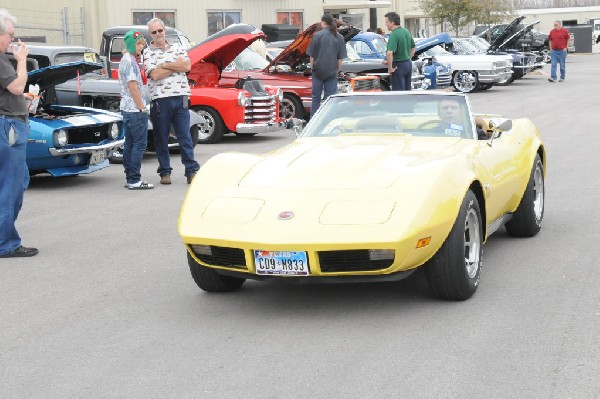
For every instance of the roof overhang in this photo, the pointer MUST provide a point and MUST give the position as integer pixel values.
(339, 4)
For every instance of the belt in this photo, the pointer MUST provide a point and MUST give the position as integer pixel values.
(21, 118)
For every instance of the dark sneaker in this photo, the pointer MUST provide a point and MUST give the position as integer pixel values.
(21, 252)
(190, 178)
(165, 179)
(560, 80)
(141, 185)
(551, 80)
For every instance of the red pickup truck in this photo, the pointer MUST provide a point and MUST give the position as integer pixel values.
(246, 109)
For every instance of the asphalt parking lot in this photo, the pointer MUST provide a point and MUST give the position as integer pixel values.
(108, 308)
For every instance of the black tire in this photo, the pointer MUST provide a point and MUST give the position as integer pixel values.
(507, 81)
(117, 156)
(465, 81)
(210, 281)
(527, 219)
(453, 272)
(291, 107)
(194, 132)
(212, 128)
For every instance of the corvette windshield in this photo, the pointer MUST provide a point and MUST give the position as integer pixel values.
(385, 114)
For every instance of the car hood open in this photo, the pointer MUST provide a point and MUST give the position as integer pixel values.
(295, 53)
(222, 47)
(56, 74)
(425, 44)
(501, 39)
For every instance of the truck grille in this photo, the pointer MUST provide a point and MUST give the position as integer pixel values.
(88, 134)
(443, 78)
(365, 83)
(261, 110)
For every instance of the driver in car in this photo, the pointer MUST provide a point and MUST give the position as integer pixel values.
(450, 117)
(452, 121)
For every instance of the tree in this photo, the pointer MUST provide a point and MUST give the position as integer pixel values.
(494, 11)
(458, 13)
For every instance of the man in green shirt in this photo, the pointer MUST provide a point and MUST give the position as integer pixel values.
(400, 50)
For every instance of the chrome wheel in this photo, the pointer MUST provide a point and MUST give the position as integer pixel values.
(206, 128)
(472, 243)
(538, 192)
(465, 81)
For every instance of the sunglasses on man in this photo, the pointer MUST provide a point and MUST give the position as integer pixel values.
(154, 32)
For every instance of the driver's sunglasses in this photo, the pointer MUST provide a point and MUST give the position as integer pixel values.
(449, 107)
(154, 32)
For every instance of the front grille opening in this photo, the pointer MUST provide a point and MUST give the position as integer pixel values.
(351, 261)
(88, 134)
(220, 256)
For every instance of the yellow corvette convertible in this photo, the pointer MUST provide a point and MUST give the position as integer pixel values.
(375, 186)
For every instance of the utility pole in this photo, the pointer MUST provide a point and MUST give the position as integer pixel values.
(373, 18)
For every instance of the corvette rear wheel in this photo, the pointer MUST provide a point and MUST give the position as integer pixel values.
(453, 272)
(211, 129)
(210, 281)
(465, 81)
(527, 220)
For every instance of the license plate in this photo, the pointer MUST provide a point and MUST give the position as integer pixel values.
(281, 263)
(97, 157)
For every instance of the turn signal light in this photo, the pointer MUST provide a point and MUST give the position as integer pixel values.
(423, 242)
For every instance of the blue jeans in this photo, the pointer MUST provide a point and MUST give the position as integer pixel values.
(136, 140)
(321, 87)
(401, 77)
(165, 112)
(14, 179)
(557, 56)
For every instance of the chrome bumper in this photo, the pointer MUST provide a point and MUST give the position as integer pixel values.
(494, 78)
(260, 127)
(57, 152)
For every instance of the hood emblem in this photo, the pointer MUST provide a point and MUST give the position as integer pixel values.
(285, 215)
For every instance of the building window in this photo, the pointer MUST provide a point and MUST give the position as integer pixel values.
(218, 20)
(294, 18)
(142, 17)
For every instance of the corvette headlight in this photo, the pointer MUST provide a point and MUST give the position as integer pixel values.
(61, 138)
(243, 101)
(114, 131)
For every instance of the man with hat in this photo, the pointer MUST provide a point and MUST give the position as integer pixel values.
(133, 108)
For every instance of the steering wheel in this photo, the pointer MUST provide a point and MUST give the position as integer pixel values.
(434, 123)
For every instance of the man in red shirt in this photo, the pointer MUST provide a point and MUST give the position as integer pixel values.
(559, 40)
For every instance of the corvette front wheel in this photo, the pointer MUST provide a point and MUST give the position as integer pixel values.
(453, 272)
(210, 281)
(527, 220)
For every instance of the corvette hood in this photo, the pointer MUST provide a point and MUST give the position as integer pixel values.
(295, 53)
(222, 47)
(57, 74)
(346, 162)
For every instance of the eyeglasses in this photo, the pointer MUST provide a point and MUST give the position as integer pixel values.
(449, 107)
(12, 35)
(154, 32)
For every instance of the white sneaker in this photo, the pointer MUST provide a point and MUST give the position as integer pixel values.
(141, 185)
